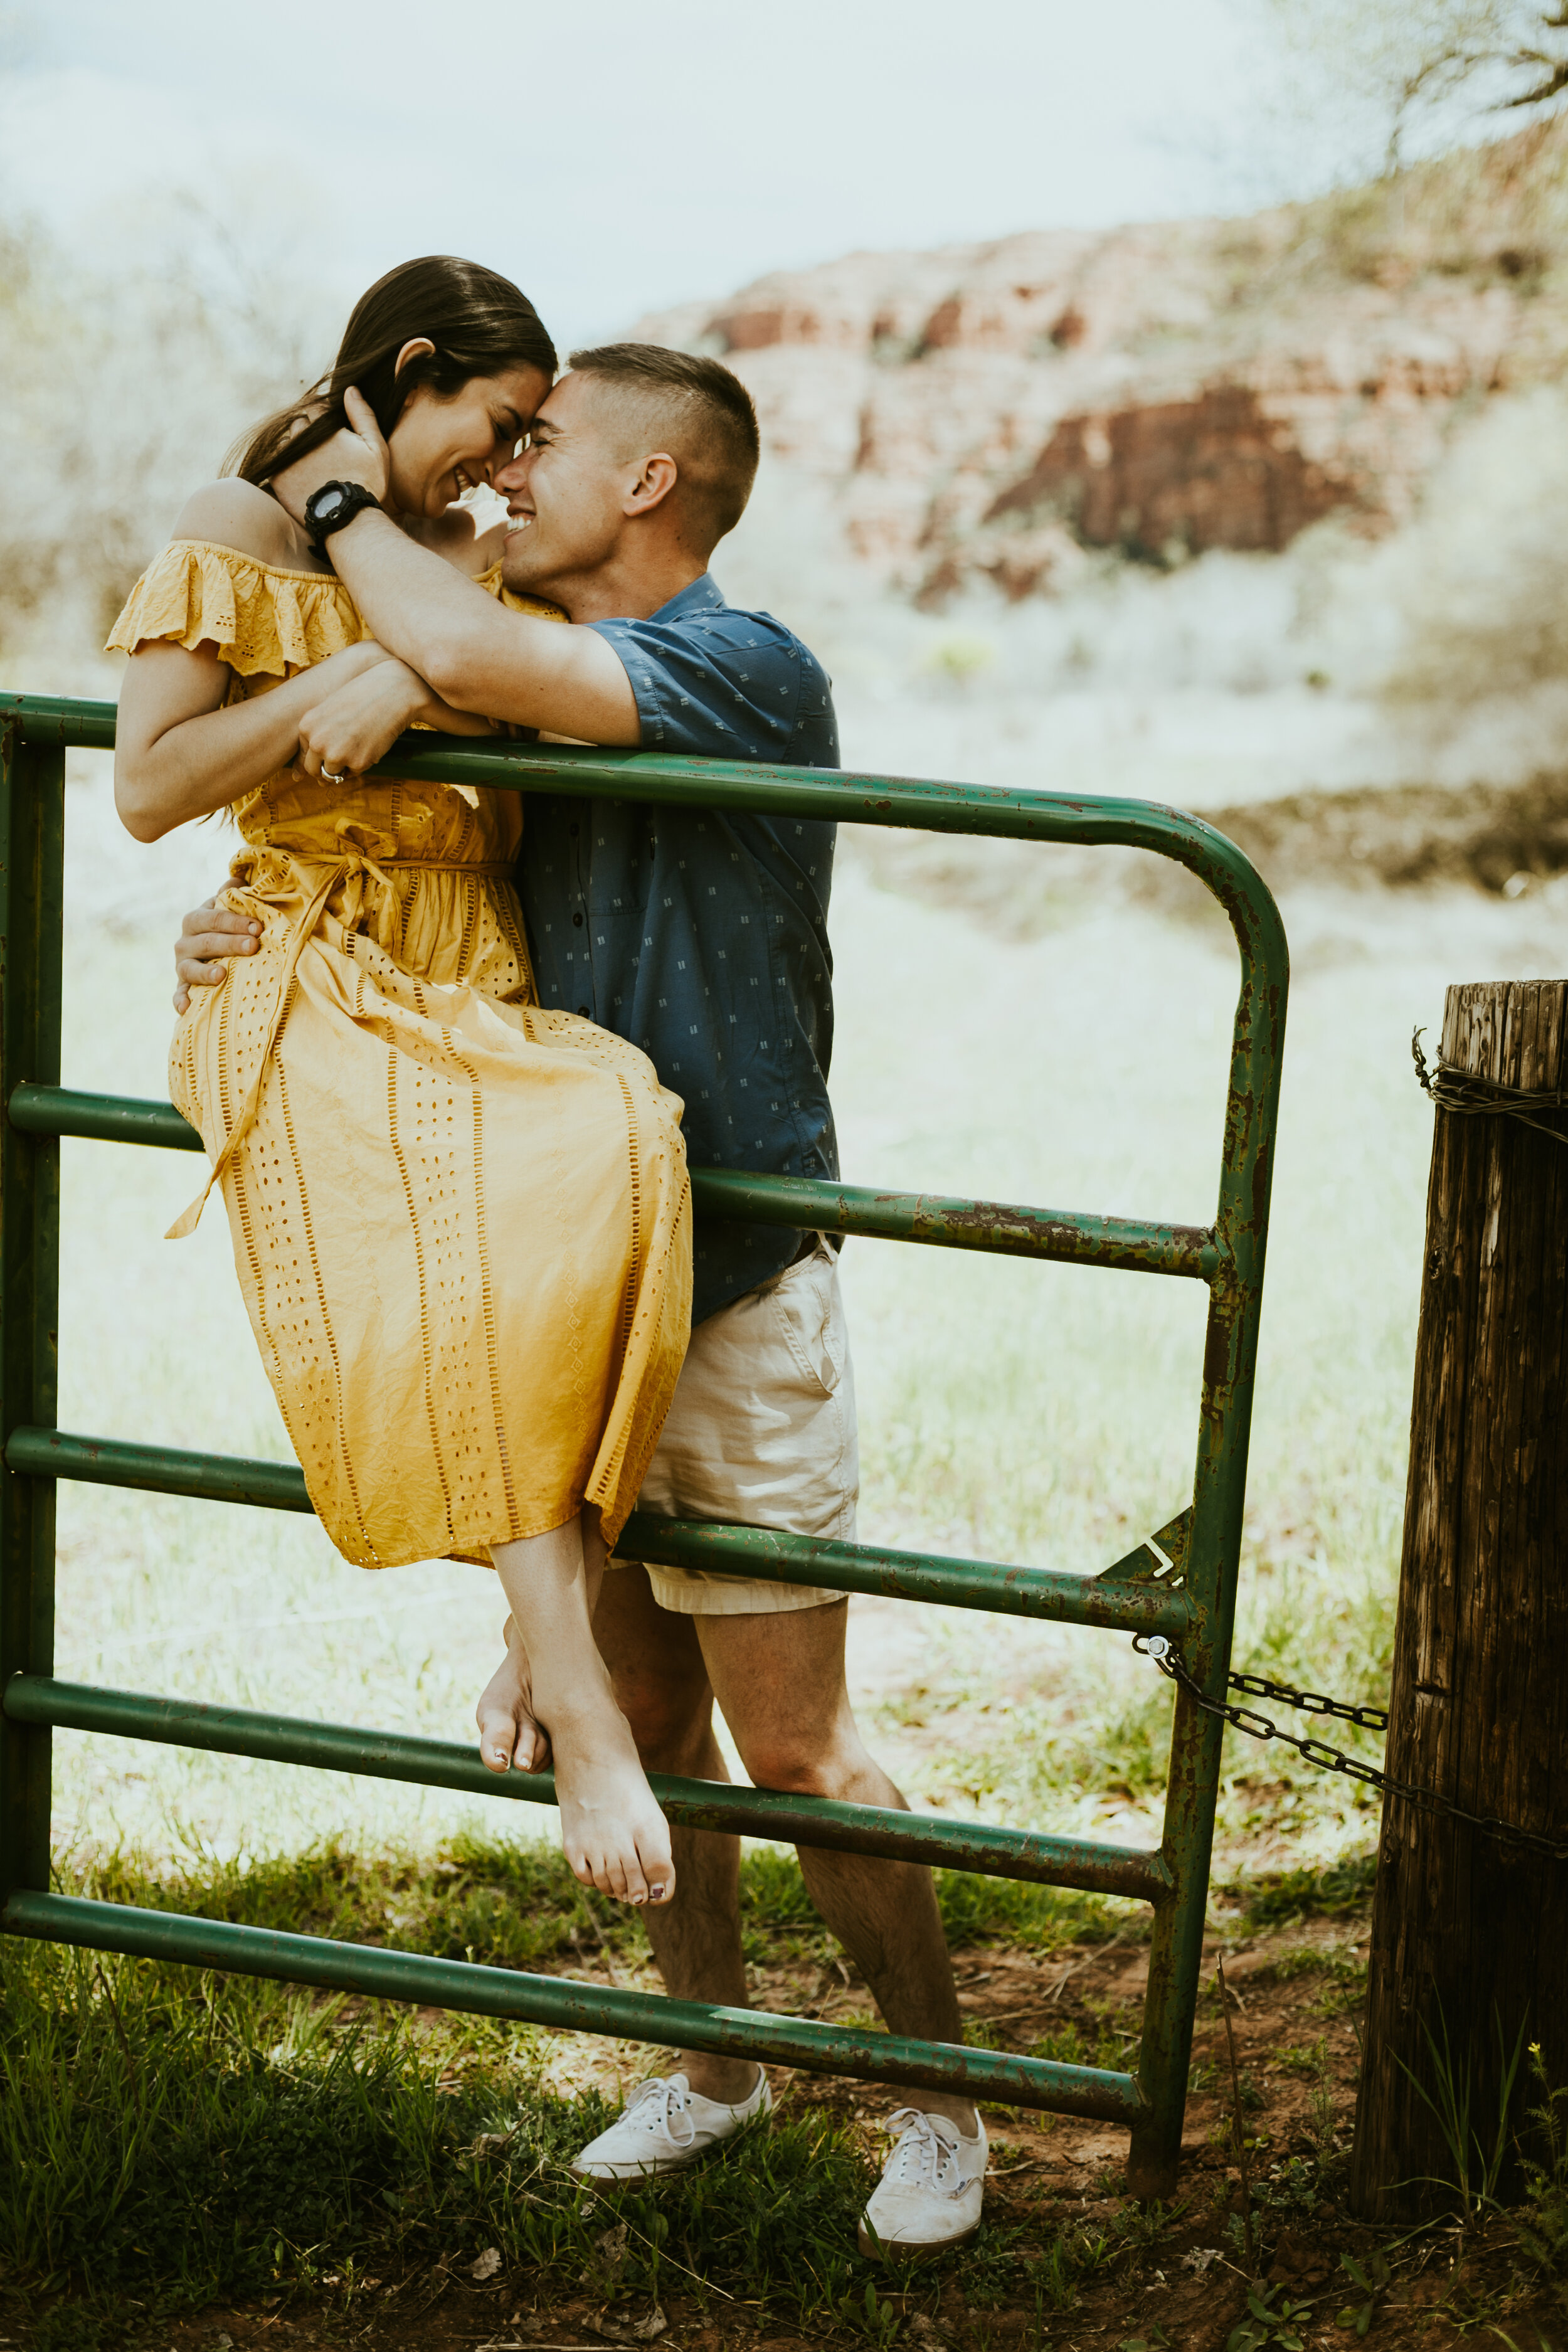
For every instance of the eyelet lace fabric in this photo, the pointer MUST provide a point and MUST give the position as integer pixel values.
(461, 1222)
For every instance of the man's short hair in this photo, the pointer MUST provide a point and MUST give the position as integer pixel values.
(698, 409)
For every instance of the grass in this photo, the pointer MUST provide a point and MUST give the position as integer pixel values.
(189, 2141)
(1068, 2047)
(1542, 2226)
(1280, 1898)
(1454, 2096)
(171, 2137)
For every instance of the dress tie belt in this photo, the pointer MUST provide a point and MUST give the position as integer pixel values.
(338, 870)
(380, 866)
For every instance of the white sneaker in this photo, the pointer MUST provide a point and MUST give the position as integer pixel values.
(930, 2194)
(664, 2126)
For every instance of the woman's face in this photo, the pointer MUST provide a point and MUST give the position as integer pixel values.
(439, 448)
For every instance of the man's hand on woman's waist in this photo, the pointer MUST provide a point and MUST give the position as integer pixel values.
(208, 937)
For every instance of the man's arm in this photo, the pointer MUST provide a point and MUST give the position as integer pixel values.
(475, 655)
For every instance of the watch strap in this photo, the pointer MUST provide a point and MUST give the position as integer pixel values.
(352, 499)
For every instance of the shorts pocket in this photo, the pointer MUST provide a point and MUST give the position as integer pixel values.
(808, 1320)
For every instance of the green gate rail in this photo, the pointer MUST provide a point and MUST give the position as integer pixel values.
(1181, 1582)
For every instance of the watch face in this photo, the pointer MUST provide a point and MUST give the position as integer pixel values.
(327, 502)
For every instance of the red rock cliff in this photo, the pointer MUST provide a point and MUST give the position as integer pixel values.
(996, 409)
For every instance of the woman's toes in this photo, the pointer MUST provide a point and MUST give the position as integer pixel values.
(651, 1840)
(590, 1869)
(496, 1740)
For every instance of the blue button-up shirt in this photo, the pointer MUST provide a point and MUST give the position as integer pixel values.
(701, 935)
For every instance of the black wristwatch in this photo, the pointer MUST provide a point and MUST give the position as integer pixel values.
(334, 504)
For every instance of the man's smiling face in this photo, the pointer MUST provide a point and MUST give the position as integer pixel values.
(565, 491)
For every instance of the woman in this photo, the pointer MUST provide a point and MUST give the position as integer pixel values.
(461, 1222)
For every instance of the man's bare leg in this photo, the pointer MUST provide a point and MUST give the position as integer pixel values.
(657, 1667)
(779, 1679)
(614, 1835)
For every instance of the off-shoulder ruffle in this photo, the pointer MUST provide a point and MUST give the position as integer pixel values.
(264, 620)
(261, 618)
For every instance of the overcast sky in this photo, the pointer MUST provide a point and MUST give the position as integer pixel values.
(614, 157)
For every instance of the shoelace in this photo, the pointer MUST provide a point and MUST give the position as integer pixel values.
(921, 2156)
(672, 2105)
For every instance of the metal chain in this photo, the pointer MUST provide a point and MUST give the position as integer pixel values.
(1333, 1760)
(1370, 1718)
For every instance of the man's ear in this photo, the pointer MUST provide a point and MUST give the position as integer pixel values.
(414, 350)
(656, 477)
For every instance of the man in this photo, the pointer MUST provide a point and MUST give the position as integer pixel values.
(701, 936)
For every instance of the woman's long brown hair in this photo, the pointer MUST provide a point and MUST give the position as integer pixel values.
(480, 323)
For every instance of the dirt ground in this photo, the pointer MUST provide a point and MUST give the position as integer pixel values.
(1172, 2277)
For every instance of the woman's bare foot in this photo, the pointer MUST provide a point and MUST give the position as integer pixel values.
(615, 1836)
(512, 1736)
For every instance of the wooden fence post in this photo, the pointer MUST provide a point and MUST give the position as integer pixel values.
(1469, 1934)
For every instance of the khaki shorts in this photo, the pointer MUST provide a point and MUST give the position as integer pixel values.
(761, 1432)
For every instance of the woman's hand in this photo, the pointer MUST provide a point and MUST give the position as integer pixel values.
(356, 726)
(356, 453)
(182, 750)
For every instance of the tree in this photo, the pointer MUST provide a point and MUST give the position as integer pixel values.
(1544, 71)
(1420, 71)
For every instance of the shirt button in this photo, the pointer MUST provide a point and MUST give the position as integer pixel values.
(583, 1013)
(578, 920)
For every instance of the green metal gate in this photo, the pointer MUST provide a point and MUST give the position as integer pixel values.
(1181, 1582)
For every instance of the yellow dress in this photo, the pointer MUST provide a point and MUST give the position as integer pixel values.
(461, 1222)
